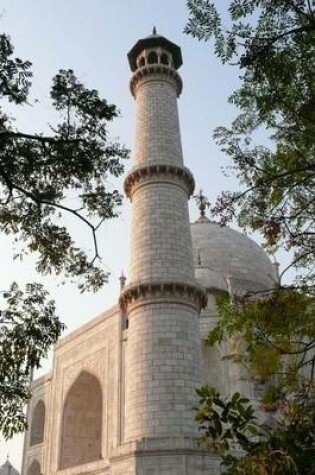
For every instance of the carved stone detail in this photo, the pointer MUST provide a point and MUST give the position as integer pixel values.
(93, 364)
(189, 293)
(154, 70)
(171, 173)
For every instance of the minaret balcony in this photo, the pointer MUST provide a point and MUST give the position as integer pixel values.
(154, 72)
(143, 175)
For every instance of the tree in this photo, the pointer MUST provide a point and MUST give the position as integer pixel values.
(272, 43)
(28, 328)
(38, 175)
(229, 427)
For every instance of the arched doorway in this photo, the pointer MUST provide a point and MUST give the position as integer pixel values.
(81, 438)
(38, 423)
(34, 468)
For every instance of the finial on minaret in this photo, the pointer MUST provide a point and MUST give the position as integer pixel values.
(122, 280)
(276, 266)
(154, 30)
(202, 202)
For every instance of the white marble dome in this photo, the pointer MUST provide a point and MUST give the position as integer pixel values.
(8, 469)
(210, 279)
(230, 254)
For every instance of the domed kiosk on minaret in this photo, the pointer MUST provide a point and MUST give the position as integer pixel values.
(8, 469)
(119, 398)
(155, 49)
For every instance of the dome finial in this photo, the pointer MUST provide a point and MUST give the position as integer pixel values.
(154, 31)
(276, 267)
(202, 202)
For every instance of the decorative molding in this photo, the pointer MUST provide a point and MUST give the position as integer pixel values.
(163, 446)
(99, 467)
(147, 72)
(93, 364)
(167, 291)
(171, 173)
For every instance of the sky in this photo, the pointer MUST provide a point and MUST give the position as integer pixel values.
(93, 38)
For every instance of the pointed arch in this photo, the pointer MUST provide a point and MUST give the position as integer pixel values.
(38, 423)
(153, 58)
(164, 59)
(34, 468)
(81, 438)
(141, 62)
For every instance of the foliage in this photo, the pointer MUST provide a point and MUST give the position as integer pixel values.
(202, 202)
(224, 421)
(272, 44)
(44, 178)
(230, 428)
(278, 340)
(38, 172)
(28, 328)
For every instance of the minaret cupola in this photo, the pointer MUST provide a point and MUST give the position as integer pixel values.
(155, 55)
(155, 49)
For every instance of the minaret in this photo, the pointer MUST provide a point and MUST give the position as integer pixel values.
(162, 300)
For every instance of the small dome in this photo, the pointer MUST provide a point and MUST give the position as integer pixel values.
(231, 254)
(210, 279)
(8, 469)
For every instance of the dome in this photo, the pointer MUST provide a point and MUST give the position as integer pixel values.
(210, 279)
(232, 255)
(8, 469)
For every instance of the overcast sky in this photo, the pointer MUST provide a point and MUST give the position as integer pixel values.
(93, 38)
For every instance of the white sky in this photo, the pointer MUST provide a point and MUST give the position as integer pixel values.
(93, 38)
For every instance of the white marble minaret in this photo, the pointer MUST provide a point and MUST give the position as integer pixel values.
(162, 301)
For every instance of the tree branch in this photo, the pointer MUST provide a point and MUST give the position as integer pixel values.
(82, 218)
(39, 138)
(40, 202)
(272, 40)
